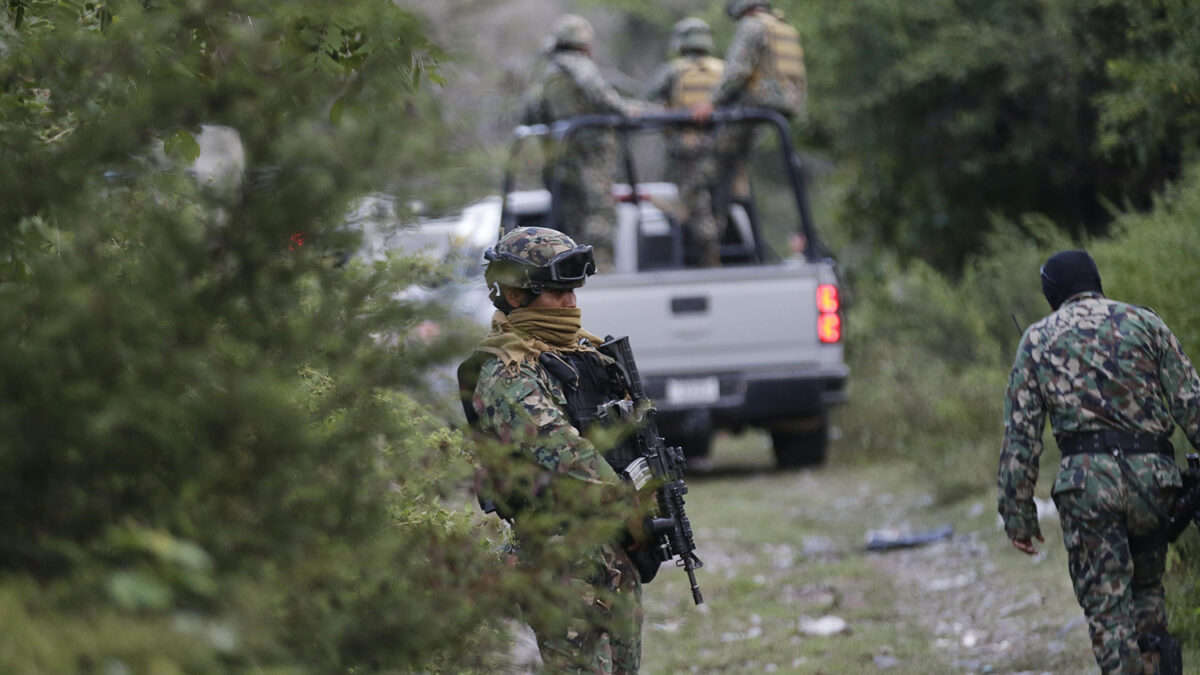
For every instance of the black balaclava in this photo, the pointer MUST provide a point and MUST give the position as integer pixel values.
(1067, 273)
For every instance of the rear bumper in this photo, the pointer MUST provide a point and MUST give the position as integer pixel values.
(756, 398)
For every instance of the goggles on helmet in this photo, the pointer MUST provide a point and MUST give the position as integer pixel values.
(567, 268)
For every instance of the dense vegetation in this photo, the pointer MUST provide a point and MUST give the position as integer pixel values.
(214, 449)
(212, 458)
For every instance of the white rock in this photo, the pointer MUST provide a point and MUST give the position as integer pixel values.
(826, 625)
(972, 638)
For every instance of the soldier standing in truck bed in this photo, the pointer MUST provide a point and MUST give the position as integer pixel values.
(570, 85)
(764, 68)
(687, 81)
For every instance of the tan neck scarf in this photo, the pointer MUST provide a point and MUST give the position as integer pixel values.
(523, 334)
(556, 326)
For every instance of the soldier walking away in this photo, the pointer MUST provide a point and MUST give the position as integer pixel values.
(1113, 380)
(688, 80)
(570, 85)
(531, 388)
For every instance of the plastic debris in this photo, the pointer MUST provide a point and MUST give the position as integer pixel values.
(887, 540)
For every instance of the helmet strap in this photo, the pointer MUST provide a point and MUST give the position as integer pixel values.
(500, 301)
(531, 294)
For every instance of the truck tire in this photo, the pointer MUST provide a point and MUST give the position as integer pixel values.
(795, 448)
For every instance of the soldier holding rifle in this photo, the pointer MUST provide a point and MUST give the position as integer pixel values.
(568, 455)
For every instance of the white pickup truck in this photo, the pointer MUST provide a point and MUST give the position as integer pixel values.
(756, 342)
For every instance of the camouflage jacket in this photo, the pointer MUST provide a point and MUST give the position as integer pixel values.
(523, 407)
(751, 76)
(1093, 365)
(526, 408)
(571, 85)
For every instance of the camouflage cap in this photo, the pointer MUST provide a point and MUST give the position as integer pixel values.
(538, 257)
(573, 32)
(692, 35)
(736, 8)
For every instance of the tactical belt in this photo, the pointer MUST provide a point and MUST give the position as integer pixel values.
(1121, 443)
(1128, 442)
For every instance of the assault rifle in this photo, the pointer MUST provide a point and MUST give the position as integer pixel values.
(1187, 507)
(668, 530)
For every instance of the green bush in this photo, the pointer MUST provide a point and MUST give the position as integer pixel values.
(212, 455)
(930, 359)
(947, 112)
(1152, 261)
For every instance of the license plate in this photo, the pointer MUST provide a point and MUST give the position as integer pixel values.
(693, 390)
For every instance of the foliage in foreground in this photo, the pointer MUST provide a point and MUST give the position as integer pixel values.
(211, 457)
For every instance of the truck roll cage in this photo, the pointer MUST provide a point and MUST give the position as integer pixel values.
(564, 130)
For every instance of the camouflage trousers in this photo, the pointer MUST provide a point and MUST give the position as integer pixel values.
(602, 634)
(585, 203)
(734, 145)
(1119, 587)
(735, 142)
(694, 175)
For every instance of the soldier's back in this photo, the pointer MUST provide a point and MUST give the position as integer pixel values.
(780, 80)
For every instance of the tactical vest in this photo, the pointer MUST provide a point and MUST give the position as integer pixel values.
(595, 392)
(695, 81)
(596, 395)
(787, 56)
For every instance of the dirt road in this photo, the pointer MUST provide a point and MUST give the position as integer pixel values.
(790, 588)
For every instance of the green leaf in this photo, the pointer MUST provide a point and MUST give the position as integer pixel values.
(135, 591)
(181, 146)
(337, 110)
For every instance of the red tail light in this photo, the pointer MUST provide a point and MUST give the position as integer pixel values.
(827, 299)
(627, 197)
(829, 322)
(829, 328)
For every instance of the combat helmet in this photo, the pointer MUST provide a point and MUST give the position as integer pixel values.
(691, 35)
(736, 8)
(573, 32)
(535, 258)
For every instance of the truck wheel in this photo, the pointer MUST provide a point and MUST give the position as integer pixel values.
(808, 447)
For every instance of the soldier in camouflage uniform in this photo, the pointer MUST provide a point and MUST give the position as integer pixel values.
(684, 82)
(764, 68)
(547, 472)
(1113, 380)
(571, 85)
